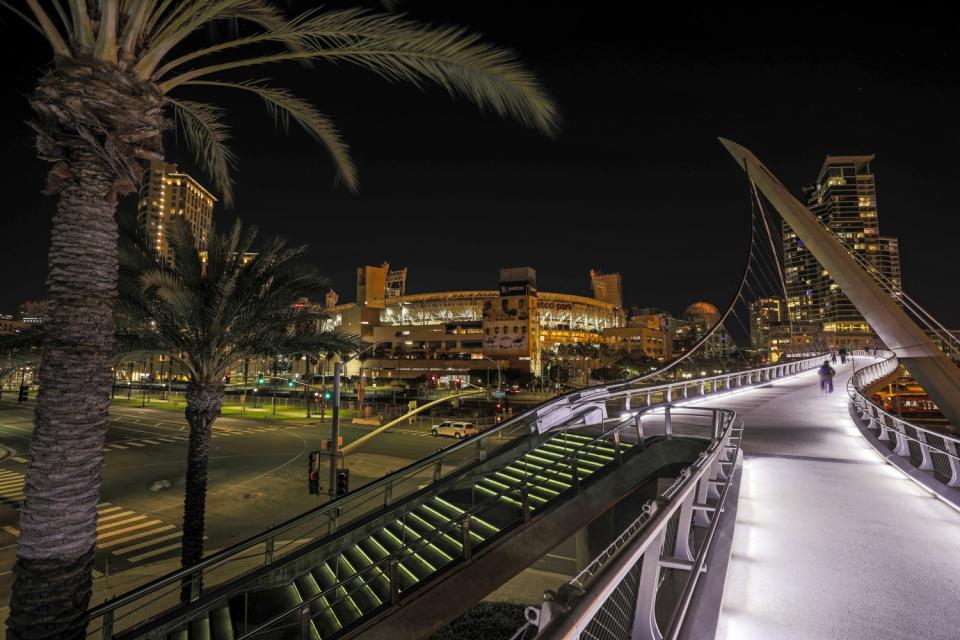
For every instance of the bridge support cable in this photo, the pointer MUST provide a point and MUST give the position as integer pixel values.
(933, 369)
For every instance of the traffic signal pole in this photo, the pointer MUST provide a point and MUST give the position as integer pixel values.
(335, 428)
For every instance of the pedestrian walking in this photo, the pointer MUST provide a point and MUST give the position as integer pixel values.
(826, 373)
(843, 355)
(833, 357)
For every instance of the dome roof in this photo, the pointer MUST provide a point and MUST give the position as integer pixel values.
(702, 311)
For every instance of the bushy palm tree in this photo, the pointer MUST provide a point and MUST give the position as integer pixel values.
(210, 314)
(101, 107)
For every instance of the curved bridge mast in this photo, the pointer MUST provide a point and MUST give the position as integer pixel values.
(931, 367)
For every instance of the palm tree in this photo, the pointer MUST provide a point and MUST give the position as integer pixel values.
(101, 107)
(210, 314)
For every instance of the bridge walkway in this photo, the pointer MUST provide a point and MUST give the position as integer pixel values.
(830, 541)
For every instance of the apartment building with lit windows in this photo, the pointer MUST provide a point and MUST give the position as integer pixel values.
(168, 192)
(844, 199)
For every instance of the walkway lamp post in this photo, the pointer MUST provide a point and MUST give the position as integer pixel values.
(499, 376)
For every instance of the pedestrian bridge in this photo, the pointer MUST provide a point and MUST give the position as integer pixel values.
(827, 540)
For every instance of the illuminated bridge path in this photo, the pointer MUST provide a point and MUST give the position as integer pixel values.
(830, 541)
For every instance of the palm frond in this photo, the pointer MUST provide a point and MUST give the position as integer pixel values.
(41, 22)
(283, 105)
(184, 20)
(106, 47)
(206, 135)
(402, 50)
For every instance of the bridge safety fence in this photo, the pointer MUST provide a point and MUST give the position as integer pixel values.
(933, 450)
(621, 404)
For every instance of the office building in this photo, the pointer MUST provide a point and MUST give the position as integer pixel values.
(607, 287)
(167, 192)
(844, 199)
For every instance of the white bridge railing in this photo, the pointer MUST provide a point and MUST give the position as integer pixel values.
(931, 450)
(617, 595)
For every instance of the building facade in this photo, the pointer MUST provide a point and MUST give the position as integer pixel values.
(166, 193)
(453, 332)
(844, 199)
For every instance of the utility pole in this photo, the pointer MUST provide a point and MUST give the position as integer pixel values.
(335, 430)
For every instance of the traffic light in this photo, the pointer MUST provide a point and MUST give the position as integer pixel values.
(226, 378)
(289, 383)
(260, 379)
(313, 473)
(459, 383)
(24, 393)
(343, 481)
(327, 395)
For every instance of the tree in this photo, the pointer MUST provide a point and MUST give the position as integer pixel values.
(209, 314)
(102, 106)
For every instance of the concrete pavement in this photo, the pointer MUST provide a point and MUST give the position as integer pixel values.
(257, 479)
(830, 541)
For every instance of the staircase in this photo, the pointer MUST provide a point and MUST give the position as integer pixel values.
(341, 592)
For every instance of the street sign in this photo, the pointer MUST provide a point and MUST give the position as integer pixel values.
(499, 394)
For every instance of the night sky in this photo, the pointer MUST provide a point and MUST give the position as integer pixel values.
(636, 181)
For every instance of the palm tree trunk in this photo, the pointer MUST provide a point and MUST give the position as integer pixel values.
(58, 521)
(203, 407)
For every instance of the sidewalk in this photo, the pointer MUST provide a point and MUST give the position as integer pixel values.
(830, 541)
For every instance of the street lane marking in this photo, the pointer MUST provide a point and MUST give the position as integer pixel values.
(139, 525)
(136, 444)
(167, 439)
(136, 536)
(110, 525)
(154, 552)
(19, 459)
(150, 441)
(103, 504)
(148, 543)
(116, 446)
(114, 516)
(12, 530)
(109, 510)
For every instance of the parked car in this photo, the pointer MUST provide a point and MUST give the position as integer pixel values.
(455, 429)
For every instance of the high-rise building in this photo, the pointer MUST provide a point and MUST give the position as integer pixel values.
(844, 199)
(33, 311)
(607, 287)
(765, 315)
(168, 192)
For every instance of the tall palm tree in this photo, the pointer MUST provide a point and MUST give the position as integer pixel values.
(210, 314)
(101, 108)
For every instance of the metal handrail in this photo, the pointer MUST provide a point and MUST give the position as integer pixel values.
(105, 611)
(568, 612)
(429, 537)
(884, 421)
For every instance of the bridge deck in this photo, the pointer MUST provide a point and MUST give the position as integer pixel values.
(830, 541)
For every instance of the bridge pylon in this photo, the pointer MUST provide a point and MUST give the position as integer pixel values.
(939, 377)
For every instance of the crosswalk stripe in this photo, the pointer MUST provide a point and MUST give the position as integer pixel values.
(108, 510)
(115, 516)
(150, 441)
(110, 525)
(167, 439)
(154, 552)
(11, 530)
(136, 536)
(11, 483)
(103, 504)
(19, 459)
(136, 444)
(133, 527)
(117, 446)
(4, 472)
(148, 543)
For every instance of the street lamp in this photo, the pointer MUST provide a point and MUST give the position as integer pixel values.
(499, 377)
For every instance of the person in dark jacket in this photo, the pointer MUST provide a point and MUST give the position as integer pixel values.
(826, 377)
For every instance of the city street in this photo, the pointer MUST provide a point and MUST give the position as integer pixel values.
(257, 479)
